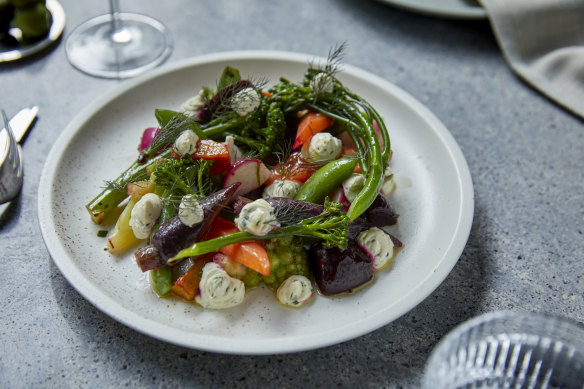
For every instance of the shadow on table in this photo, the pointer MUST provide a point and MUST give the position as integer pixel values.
(393, 354)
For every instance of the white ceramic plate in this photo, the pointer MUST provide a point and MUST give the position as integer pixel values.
(57, 27)
(436, 214)
(459, 9)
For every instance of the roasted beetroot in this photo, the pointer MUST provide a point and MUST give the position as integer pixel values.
(381, 213)
(337, 271)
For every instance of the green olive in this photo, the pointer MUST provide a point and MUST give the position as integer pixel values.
(34, 22)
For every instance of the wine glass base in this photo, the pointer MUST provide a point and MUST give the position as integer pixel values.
(140, 43)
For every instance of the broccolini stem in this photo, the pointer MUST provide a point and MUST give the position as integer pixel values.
(218, 129)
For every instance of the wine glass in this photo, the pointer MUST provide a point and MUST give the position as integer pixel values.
(118, 45)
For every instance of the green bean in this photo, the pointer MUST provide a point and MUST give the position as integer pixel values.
(325, 179)
(374, 178)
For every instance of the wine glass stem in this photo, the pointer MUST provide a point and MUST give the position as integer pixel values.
(119, 34)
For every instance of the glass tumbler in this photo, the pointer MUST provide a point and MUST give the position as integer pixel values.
(509, 350)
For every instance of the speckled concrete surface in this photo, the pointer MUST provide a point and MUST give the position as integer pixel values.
(525, 155)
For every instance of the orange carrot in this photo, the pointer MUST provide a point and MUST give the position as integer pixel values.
(312, 123)
(250, 254)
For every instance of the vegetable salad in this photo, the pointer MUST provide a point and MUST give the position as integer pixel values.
(246, 185)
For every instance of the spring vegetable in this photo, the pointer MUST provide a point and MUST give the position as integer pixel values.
(115, 192)
(288, 257)
(293, 168)
(250, 254)
(228, 137)
(325, 179)
(174, 235)
(381, 213)
(176, 178)
(340, 271)
(187, 284)
(331, 227)
(148, 258)
(148, 137)
(312, 123)
(233, 268)
(250, 173)
(216, 152)
(161, 280)
(352, 112)
(140, 188)
(123, 237)
(209, 109)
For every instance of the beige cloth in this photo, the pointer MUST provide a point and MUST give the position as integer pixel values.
(543, 41)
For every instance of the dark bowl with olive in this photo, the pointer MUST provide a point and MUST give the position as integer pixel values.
(23, 22)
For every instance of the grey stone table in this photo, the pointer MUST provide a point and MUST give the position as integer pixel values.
(525, 154)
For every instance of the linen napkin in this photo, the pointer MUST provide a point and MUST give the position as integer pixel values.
(543, 42)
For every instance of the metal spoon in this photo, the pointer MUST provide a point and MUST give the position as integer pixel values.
(11, 170)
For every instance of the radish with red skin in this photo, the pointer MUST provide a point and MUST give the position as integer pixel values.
(250, 173)
(147, 137)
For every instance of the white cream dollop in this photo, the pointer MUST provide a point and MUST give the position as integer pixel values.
(257, 218)
(378, 245)
(323, 147)
(186, 143)
(191, 106)
(295, 291)
(245, 101)
(353, 185)
(190, 211)
(217, 290)
(322, 83)
(144, 214)
(282, 188)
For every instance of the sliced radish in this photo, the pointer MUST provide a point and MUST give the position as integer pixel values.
(251, 173)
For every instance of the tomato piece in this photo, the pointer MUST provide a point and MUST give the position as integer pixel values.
(250, 254)
(217, 152)
(312, 123)
(294, 168)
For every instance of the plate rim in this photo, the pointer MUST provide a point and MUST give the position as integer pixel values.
(437, 11)
(55, 32)
(215, 343)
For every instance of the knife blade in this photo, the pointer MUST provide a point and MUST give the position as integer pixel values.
(21, 122)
